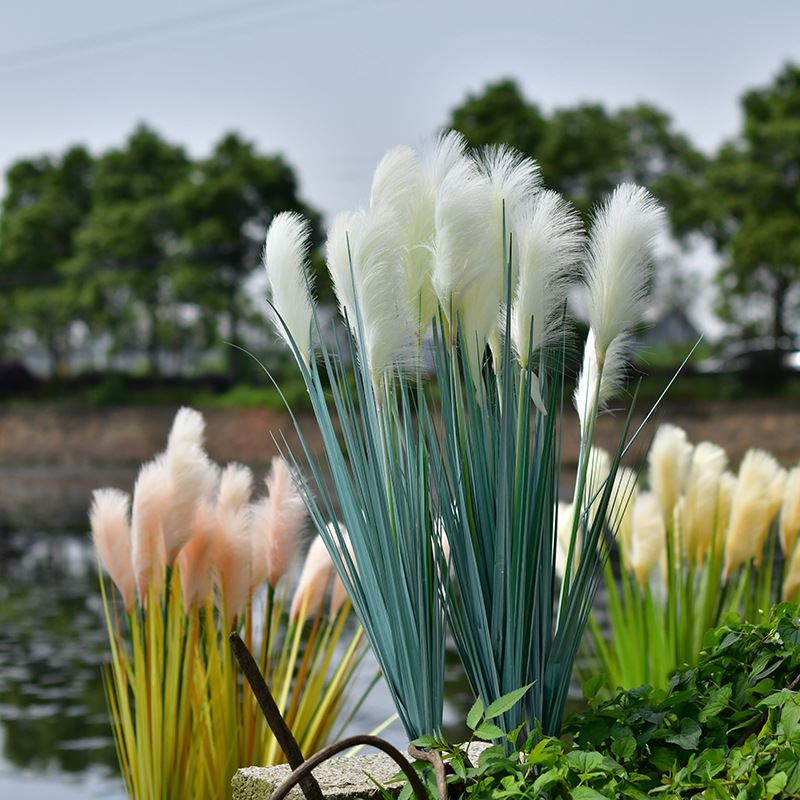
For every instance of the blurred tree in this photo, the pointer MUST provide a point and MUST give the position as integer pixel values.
(224, 206)
(122, 262)
(585, 150)
(46, 202)
(749, 204)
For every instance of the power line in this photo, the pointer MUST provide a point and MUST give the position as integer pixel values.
(128, 35)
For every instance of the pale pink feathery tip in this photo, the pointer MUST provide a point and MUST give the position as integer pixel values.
(195, 557)
(260, 517)
(339, 592)
(188, 427)
(285, 521)
(315, 579)
(111, 532)
(232, 553)
(151, 500)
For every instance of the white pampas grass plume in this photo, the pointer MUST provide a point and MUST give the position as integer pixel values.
(314, 581)
(188, 427)
(232, 556)
(595, 387)
(701, 500)
(791, 583)
(618, 264)
(790, 512)
(196, 556)
(620, 514)
(649, 536)
(108, 517)
(396, 179)
(151, 501)
(549, 240)
(290, 281)
(753, 509)
(364, 255)
(668, 462)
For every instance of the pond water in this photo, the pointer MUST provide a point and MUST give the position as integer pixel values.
(55, 740)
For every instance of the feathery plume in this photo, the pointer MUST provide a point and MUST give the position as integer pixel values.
(595, 387)
(314, 581)
(108, 517)
(563, 534)
(668, 462)
(753, 509)
(791, 583)
(620, 514)
(188, 427)
(790, 512)
(618, 264)
(699, 510)
(233, 550)
(396, 179)
(649, 536)
(339, 591)
(596, 476)
(196, 556)
(290, 281)
(549, 243)
(151, 499)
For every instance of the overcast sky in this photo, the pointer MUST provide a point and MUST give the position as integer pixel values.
(331, 85)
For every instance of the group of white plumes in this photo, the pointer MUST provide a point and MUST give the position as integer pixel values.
(444, 231)
(189, 512)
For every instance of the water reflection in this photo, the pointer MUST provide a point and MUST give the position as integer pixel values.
(52, 642)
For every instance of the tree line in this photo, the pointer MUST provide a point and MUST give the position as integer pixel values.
(152, 249)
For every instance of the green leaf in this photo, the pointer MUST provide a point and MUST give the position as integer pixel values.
(584, 761)
(475, 714)
(688, 737)
(488, 731)
(716, 703)
(587, 793)
(506, 702)
(790, 717)
(777, 783)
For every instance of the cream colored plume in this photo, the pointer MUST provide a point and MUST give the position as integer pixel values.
(649, 536)
(790, 511)
(668, 462)
(791, 583)
(563, 534)
(188, 427)
(151, 502)
(395, 181)
(701, 502)
(339, 591)
(111, 532)
(549, 239)
(365, 260)
(620, 515)
(753, 509)
(233, 551)
(618, 267)
(290, 281)
(596, 475)
(196, 556)
(596, 387)
(314, 582)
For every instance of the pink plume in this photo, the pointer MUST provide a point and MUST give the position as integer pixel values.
(312, 588)
(111, 532)
(285, 521)
(194, 559)
(151, 499)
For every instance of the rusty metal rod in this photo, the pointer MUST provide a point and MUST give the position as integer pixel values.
(351, 741)
(275, 720)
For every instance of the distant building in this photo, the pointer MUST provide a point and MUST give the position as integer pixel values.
(665, 328)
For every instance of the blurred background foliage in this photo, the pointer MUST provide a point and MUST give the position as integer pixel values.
(144, 263)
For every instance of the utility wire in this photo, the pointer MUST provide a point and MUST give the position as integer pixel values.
(232, 13)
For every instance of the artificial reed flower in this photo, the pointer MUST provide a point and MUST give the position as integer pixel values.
(649, 536)
(151, 498)
(790, 512)
(111, 532)
(753, 509)
(290, 280)
(188, 427)
(669, 461)
(196, 556)
(314, 581)
(364, 260)
(596, 477)
(549, 239)
(791, 582)
(563, 535)
(232, 555)
(620, 513)
(701, 501)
